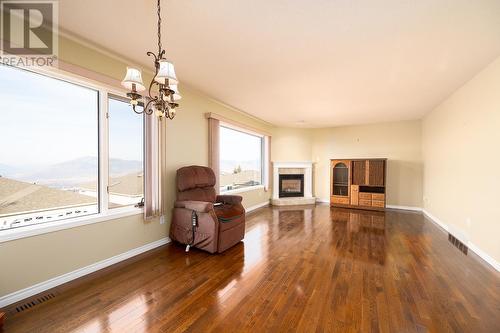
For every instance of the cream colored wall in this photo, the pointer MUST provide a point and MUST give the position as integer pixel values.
(452, 134)
(31, 260)
(291, 145)
(25, 262)
(461, 140)
(400, 142)
(187, 140)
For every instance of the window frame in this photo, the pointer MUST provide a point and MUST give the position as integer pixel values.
(104, 91)
(263, 153)
(125, 100)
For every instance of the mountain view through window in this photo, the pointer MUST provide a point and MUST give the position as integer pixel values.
(49, 149)
(240, 159)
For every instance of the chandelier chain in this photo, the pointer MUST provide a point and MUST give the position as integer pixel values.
(163, 103)
(159, 29)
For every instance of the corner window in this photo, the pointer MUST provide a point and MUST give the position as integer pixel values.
(241, 159)
(66, 149)
(126, 171)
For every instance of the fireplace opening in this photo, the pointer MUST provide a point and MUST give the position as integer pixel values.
(291, 185)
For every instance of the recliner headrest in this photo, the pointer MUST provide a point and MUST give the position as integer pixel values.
(194, 176)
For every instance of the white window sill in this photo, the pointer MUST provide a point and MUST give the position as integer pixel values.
(241, 190)
(43, 228)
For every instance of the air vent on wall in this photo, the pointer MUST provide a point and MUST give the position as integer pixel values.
(31, 303)
(458, 244)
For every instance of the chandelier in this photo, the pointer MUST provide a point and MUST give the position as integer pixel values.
(163, 100)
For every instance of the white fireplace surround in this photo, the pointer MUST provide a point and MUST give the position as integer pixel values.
(306, 166)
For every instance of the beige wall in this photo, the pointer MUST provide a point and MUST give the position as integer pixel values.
(187, 140)
(400, 142)
(25, 262)
(452, 134)
(291, 145)
(31, 260)
(461, 140)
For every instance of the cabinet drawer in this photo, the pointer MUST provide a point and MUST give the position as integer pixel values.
(340, 200)
(378, 203)
(365, 196)
(378, 196)
(363, 202)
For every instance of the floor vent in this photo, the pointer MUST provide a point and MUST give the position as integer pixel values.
(458, 244)
(31, 303)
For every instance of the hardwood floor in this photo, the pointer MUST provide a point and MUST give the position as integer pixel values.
(307, 269)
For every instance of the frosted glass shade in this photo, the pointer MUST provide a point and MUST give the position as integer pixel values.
(177, 96)
(166, 72)
(132, 77)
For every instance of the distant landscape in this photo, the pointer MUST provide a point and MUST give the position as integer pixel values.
(229, 166)
(70, 173)
(69, 187)
(238, 174)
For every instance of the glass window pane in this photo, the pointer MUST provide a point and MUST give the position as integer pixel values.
(240, 159)
(126, 176)
(48, 149)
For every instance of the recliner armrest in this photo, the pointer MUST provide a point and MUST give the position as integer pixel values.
(197, 206)
(230, 199)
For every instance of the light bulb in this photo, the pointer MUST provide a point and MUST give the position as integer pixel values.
(134, 102)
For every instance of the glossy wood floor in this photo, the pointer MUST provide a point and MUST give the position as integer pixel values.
(298, 270)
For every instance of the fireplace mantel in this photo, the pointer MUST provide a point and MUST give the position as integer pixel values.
(306, 166)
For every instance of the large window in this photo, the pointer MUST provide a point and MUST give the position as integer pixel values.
(52, 143)
(241, 159)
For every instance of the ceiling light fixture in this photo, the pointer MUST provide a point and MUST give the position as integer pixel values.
(165, 100)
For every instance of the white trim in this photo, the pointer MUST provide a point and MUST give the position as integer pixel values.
(435, 220)
(322, 200)
(474, 248)
(306, 165)
(412, 208)
(293, 165)
(483, 255)
(103, 155)
(257, 206)
(58, 280)
(43, 228)
(243, 189)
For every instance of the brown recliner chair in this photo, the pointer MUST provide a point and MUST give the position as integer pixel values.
(220, 218)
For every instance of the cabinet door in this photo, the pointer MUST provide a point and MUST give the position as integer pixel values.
(376, 172)
(340, 178)
(354, 195)
(358, 172)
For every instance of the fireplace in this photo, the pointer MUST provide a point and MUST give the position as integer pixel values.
(291, 185)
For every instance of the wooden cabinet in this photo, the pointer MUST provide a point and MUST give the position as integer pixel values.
(358, 183)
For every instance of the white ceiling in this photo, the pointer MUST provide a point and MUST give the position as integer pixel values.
(303, 62)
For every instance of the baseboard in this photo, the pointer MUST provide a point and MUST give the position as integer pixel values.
(321, 200)
(257, 206)
(59, 280)
(437, 221)
(412, 208)
(474, 248)
(483, 255)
